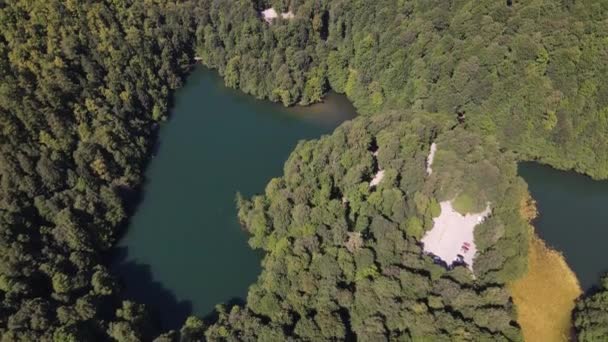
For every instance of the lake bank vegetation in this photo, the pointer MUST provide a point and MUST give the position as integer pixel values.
(546, 295)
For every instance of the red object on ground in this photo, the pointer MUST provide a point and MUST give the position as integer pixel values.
(465, 247)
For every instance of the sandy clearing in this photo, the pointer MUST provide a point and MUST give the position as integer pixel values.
(430, 158)
(270, 14)
(380, 174)
(377, 178)
(450, 232)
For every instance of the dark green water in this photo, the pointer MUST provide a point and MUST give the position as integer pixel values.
(573, 218)
(184, 250)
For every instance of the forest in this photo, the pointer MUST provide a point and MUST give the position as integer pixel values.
(343, 259)
(527, 73)
(591, 314)
(84, 84)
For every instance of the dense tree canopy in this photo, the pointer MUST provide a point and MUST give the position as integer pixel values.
(591, 315)
(83, 84)
(524, 72)
(527, 73)
(343, 258)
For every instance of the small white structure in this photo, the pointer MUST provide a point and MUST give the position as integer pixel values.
(452, 238)
(271, 14)
(430, 158)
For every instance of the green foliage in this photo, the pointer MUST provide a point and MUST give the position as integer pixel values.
(591, 315)
(370, 272)
(414, 227)
(344, 261)
(529, 76)
(61, 283)
(103, 283)
(82, 86)
(193, 329)
(84, 83)
(464, 204)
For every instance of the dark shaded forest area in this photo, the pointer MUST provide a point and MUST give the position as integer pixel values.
(84, 84)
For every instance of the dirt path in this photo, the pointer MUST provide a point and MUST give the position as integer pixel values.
(430, 158)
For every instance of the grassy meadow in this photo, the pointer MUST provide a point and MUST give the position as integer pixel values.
(545, 296)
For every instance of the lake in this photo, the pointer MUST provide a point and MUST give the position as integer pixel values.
(573, 218)
(184, 250)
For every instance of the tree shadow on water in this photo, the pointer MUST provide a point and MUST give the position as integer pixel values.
(167, 312)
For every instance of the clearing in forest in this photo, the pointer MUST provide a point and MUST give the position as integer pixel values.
(430, 158)
(452, 237)
(270, 14)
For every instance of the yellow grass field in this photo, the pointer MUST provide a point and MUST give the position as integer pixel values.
(545, 296)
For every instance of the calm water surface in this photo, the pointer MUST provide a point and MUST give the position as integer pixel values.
(573, 218)
(184, 250)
